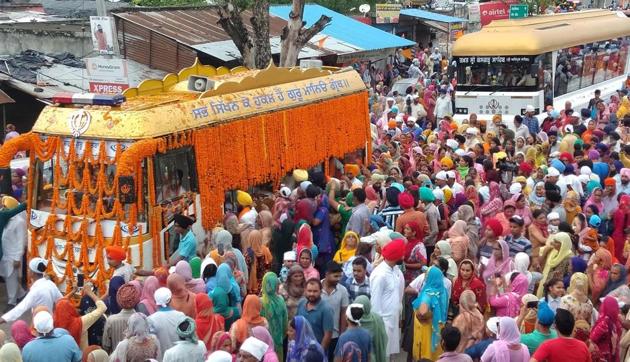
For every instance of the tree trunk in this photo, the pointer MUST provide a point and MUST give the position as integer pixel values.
(260, 24)
(232, 23)
(295, 36)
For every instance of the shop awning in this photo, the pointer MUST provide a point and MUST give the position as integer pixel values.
(364, 38)
(429, 16)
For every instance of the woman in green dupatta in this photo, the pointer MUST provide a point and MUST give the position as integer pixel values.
(275, 311)
(221, 302)
(374, 324)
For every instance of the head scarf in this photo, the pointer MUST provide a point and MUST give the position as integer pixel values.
(138, 326)
(578, 265)
(555, 257)
(182, 300)
(374, 324)
(411, 243)
(194, 285)
(186, 330)
(67, 317)
(504, 266)
(219, 339)
(519, 285)
(251, 317)
(112, 304)
(508, 336)
(262, 334)
(435, 296)
(274, 309)
(21, 333)
(458, 239)
(304, 339)
(224, 277)
(343, 254)
(578, 287)
(521, 265)
(151, 284)
(10, 352)
(208, 323)
(608, 319)
(469, 312)
(294, 290)
(610, 285)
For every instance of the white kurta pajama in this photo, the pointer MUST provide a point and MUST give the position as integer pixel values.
(386, 289)
(14, 241)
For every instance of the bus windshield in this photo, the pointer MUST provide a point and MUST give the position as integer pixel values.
(503, 73)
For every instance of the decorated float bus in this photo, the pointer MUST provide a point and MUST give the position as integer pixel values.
(115, 169)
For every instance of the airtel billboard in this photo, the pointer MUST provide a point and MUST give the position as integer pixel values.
(495, 10)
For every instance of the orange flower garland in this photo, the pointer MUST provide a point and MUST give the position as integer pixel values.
(264, 148)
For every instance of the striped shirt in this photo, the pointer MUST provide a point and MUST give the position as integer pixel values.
(390, 215)
(518, 245)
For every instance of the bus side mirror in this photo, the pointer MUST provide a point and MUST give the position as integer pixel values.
(5, 181)
(126, 190)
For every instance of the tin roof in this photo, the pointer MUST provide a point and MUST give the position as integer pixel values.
(190, 26)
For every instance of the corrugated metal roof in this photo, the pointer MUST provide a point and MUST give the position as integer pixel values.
(226, 50)
(427, 15)
(191, 26)
(346, 29)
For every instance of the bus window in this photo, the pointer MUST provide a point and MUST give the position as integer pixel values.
(582, 66)
(498, 73)
(175, 174)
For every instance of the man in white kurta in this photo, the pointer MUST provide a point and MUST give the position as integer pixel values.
(14, 240)
(386, 287)
(42, 292)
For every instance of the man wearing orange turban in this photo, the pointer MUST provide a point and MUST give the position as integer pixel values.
(447, 163)
(116, 257)
(352, 171)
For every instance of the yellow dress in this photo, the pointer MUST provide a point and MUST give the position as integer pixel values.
(422, 340)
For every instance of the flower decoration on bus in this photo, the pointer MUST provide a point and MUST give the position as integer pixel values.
(79, 122)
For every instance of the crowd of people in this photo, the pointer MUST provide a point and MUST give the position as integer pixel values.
(491, 240)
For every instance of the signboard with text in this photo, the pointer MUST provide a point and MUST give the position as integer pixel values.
(518, 11)
(495, 10)
(387, 13)
(107, 76)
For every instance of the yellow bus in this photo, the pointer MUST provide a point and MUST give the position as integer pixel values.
(110, 170)
(541, 61)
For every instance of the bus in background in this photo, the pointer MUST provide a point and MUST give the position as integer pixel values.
(540, 61)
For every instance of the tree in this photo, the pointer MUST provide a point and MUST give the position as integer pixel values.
(254, 46)
(295, 35)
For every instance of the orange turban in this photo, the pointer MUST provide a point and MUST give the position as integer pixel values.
(116, 252)
(352, 168)
(610, 182)
(447, 162)
(391, 123)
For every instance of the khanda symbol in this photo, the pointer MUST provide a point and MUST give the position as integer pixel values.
(79, 122)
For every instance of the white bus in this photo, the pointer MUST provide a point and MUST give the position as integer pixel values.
(540, 61)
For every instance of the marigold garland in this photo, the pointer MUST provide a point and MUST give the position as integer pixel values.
(264, 148)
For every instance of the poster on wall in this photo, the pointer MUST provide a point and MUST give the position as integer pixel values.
(102, 30)
(387, 13)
